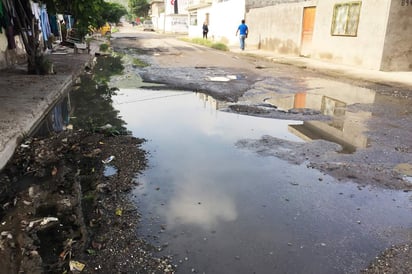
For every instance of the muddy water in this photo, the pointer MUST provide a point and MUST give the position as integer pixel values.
(219, 209)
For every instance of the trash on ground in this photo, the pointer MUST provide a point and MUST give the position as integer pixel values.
(43, 221)
(108, 159)
(75, 265)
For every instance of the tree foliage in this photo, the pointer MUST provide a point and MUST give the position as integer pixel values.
(86, 13)
(139, 8)
(112, 12)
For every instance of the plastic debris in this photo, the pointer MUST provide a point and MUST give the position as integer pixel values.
(43, 221)
(75, 265)
(6, 234)
(54, 171)
(108, 159)
(119, 212)
(107, 126)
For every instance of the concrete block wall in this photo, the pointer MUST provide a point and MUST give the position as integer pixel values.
(363, 50)
(252, 4)
(397, 50)
(278, 27)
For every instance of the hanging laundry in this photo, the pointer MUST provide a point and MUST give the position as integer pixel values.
(44, 22)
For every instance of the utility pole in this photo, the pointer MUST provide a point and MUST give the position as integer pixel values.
(176, 7)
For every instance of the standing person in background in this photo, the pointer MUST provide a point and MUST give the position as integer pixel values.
(205, 30)
(243, 31)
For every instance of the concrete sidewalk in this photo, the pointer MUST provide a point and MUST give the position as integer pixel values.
(26, 99)
(396, 79)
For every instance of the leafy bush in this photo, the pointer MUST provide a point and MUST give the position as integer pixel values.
(104, 47)
(220, 46)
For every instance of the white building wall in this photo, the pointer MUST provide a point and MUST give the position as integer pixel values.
(224, 19)
(364, 50)
(277, 28)
(196, 31)
(176, 23)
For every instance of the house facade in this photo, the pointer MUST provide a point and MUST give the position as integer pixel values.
(371, 34)
(222, 16)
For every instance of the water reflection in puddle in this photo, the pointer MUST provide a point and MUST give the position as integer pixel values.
(219, 209)
(346, 126)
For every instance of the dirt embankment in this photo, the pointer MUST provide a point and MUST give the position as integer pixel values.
(64, 209)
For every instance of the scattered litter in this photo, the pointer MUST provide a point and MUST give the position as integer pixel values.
(106, 126)
(75, 265)
(219, 79)
(119, 212)
(91, 251)
(24, 146)
(108, 160)
(54, 171)
(43, 221)
(6, 234)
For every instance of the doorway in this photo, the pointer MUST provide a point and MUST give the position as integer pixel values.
(307, 30)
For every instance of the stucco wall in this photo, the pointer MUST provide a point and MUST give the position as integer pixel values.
(197, 30)
(397, 52)
(224, 18)
(252, 4)
(277, 28)
(365, 50)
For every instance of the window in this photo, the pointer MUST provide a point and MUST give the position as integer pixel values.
(346, 19)
(193, 18)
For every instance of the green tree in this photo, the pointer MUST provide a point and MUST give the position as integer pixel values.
(139, 8)
(112, 12)
(85, 13)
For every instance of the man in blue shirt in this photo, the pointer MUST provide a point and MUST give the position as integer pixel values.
(243, 31)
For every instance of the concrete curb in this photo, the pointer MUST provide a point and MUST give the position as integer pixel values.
(25, 100)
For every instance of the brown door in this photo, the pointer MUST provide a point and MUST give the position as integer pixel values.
(307, 30)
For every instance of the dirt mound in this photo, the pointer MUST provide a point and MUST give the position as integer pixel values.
(65, 206)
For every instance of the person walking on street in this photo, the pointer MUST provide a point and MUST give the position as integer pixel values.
(243, 31)
(205, 30)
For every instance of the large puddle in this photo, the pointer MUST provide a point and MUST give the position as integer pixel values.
(217, 208)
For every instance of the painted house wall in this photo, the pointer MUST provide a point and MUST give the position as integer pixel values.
(176, 23)
(278, 27)
(364, 50)
(197, 30)
(157, 8)
(397, 50)
(224, 18)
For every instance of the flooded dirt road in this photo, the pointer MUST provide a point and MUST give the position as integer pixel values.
(171, 157)
(267, 168)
